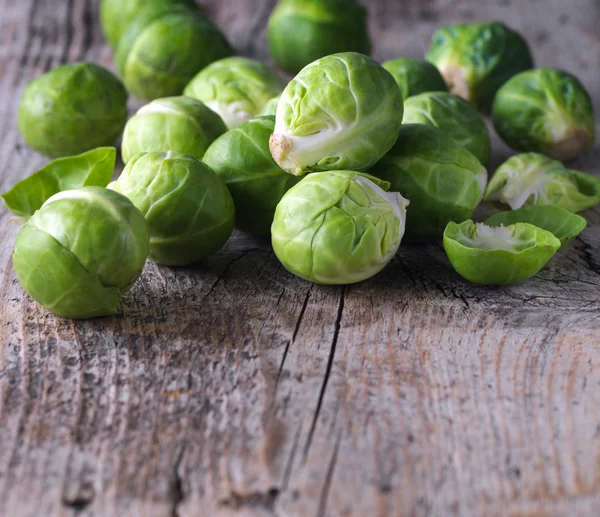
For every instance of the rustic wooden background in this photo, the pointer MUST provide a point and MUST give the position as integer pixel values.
(235, 389)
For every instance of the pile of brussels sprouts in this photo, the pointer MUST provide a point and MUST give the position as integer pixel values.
(336, 164)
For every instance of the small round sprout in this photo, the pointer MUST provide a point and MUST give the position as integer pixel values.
(443, 180)
(116, 15)
(162, 50)
(270, 108)
(177, 124)
(72, 109)
(241, 158)
(415, 76)
(453, 115)
(546, 111)
(342, 112)
(338, 227)
(81, 251)
(500, 255)
(301, 31)
(188, 207)
(564, 225)
(236, 88)
(535, 179)
(477, 59)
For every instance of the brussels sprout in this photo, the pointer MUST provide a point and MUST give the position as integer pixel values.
(241, 158)
(81, 251)
(188, 207)
(92, 169)
(547, 111)
(340, 112)
(177, 124)
(501, 255)
(236, 88)
(270, 108)
(338, 227)
(301, 31)
(72, 109)
(564, 225)
(415, 76)
(453, 115)
(116, 15)
(477, 59)
(443, 180)
(160, 52)
(535, 179)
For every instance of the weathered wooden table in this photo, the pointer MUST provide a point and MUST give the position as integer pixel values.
(237, 389)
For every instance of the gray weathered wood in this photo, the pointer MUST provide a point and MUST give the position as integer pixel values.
(235, 389)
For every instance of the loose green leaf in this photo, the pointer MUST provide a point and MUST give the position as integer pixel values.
(563, 224)
(91, 169)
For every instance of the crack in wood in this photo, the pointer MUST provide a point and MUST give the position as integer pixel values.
(322, 509)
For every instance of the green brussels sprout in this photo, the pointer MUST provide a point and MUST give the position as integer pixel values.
(338, 227)
(564, 225)
(535, 179)
(72, 109)
(177, 124)
(161, 51)
(498, 256)
(415, 76)
(236, 88)
(476, 59)
(81, 251)
(116, 15)
(546, 111)
(302, 31)
(241, 158)
(443, 180)
(453, 115)
(270, 108)
(188, 207)
(342, 112)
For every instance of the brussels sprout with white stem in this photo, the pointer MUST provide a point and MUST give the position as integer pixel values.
(535, 179)
(270, 108)
(342, 112)
(236, 88)
(498, 255)
(81, 251)
(338, 227)
(547, 111)
(443, 180)
(189, 210)
(177, 124)
(415, 76)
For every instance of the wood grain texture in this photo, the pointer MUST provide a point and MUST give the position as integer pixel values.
(235, 389)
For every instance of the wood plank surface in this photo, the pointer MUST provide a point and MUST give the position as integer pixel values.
(236, 389)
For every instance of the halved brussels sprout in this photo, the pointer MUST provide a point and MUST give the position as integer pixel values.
(188, 207)
(301, 31)
(341, 112)
(443, 180)
(163, 49)
(270, 108)
(476, 59)
(415, 76)
(72, 109)
(498, 256)
(92, 169)
(547, 111)
(535, 179)
(241, 158)
(453, 115)
(116, 15)
(564, 225)
(177, 124)
(236, 88)
(81, 251)
(338, 227)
